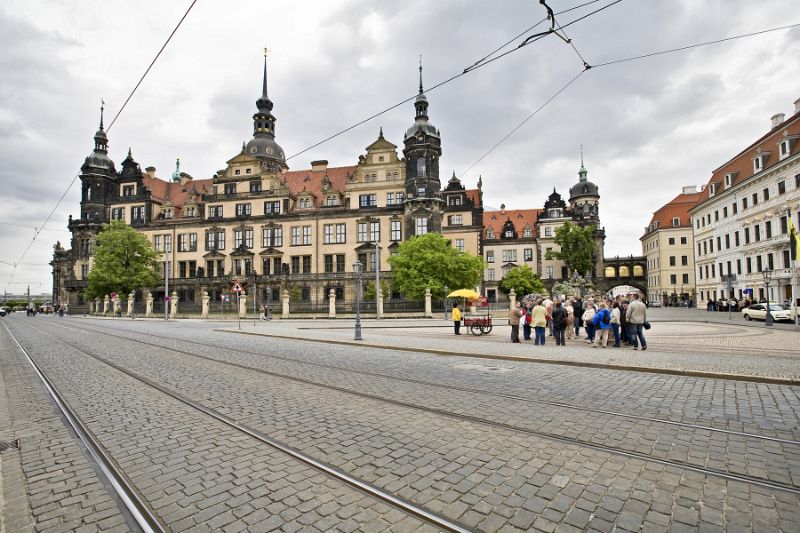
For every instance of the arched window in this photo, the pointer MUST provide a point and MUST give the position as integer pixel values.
(638, 270)
(624, 271)
(611, 272)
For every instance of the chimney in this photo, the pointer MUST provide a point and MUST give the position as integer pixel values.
(151, 171)
(690, 189)
(797, 106)
(320, 165)
(502, 209)
(777, 119)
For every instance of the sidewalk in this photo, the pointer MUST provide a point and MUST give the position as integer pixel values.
(712, 347)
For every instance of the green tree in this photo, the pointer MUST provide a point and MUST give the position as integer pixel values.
(430, 262)
(577, 247)
(369, 289)
(124, 262)
(523, 280)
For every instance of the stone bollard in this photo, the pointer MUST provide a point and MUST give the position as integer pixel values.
(173, 301)
(379, 299)
(97, 306)
(131, 298)
(428, 306)
(331, 303)
(512, 300)
(242, 304)
(205, 299)
(91, 307)
(106, 302)
(285, 304)
(148, 310)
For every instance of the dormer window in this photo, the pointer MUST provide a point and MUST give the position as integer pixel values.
(712, 189)
(305, 203)
(527, 232)
(676, 222)
(760, 161)
(729, 177)
(490, 233)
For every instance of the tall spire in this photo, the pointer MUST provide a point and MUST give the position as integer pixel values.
(582, 172)
(263, 145)
(100, 138)
(420, 74)
(102, 107)
(264, 90)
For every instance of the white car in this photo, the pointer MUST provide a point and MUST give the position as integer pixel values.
(759, 311)
(2, 312)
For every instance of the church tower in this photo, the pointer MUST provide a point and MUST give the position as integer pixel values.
(422, 150)
(263, 145)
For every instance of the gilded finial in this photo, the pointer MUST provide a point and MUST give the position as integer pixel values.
(420, 74)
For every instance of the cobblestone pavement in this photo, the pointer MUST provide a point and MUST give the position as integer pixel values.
(487, 477)
(196, 473)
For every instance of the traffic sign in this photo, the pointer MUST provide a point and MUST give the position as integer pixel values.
(237, 287)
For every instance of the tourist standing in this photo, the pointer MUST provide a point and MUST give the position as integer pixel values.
(513, 321)
(560, 323)
(637, 316)
(539, 322)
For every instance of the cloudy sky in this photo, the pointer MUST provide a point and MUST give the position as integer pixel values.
(647, 127)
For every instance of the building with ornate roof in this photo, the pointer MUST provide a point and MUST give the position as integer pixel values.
(740, 222)
(276, 230)
(668, 248)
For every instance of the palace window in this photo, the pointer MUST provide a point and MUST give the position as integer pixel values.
(255, 186)
(396, 234)
(460, 245)
(187, 242)
(230, 188)
(421, 226)
(243, 210)
(334, 233)
(368, 200)
(509, 256)
(215, 211)
(527, 254)
(272, 237)
(117, 213)
(127, 190)
(243, 237)
(272, 208)
(137, 213)
(456, 220)
(305, 203)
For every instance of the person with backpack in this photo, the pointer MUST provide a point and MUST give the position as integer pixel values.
(526, 322)
(602, 322)
(588, 321)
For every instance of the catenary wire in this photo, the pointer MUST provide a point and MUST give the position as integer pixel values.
(467, 70)
(623, 60)
(72, 182)
(31, 227)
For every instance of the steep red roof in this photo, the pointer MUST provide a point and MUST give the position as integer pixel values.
(519, 217)
(679, 208)
(176, 193)
(312, 181)
(474, 195)
(741, 165)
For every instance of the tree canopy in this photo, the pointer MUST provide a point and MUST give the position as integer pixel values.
(577, 247)
(124, 261)
(430, 262)
(523, 280)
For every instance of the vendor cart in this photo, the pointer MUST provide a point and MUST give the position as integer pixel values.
(479, 325)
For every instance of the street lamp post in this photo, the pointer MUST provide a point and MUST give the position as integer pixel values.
(377, 280)
(767, 273)
(166, 289)
(357, 269)
(266, 307)
(446, 292)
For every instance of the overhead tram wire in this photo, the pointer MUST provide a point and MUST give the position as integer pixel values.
(71, 183)
(623, 60)
(475, 66)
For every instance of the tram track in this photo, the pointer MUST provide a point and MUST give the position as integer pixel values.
(754, 480)
(144, 515)
(440, 385)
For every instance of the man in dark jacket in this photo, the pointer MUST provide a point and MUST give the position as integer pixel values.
(577, 312)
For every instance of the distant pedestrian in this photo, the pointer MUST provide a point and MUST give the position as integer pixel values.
(602, 324)
(526, 322)
(570, 330)
(588, 321)
(560, 323)
(456, 319)
(577, 312)
(637, 316)
(513, 320)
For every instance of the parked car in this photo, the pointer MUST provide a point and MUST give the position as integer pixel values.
(759, 312)
(2, 312)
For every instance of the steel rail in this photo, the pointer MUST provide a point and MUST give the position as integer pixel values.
(449, 387)
(144, 516)
(367, 488)
(743, 478)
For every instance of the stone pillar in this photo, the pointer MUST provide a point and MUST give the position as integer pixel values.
(97, 306)
(106, 302)
(148, 310)
(285, 304)
(379, 302)
(242, 304)
(131, 298)
(173, 301)
(331, 303)
(91, 307)
(206, 299)
(512, 300)
(428, 306)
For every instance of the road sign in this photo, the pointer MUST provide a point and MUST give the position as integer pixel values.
(237, 287)
(166, 298)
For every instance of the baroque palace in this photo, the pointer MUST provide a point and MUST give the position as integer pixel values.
(278, 231)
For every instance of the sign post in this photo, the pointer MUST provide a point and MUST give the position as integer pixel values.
(730, 280)
(237, 288)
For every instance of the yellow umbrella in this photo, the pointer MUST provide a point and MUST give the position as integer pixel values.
(464, 293)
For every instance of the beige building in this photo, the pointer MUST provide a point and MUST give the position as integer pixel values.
(668, 248)
(270, 228)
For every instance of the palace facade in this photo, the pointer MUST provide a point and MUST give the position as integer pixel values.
(274, 229)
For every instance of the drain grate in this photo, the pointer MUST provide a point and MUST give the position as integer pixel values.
(5, 445)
